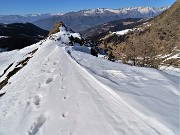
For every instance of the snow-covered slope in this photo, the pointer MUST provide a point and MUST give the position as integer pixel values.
(64, 90)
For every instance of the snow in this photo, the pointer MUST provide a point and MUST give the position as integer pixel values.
(56, 14)
(171, 70)
(4, 37)
(176, 56)
(120, 33)
(141, 10)
(15, 56)
(37, 124)
(123, 32)
(175, 71)
(63, 35)
(37, 99)
(64, 90)
(148, 87)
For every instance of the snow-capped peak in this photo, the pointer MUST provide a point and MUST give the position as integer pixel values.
(142, 10)
(64, 35)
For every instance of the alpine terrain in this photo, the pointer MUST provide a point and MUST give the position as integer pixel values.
(56, 87)
(154, 44)
(98, 32)
(84, 19)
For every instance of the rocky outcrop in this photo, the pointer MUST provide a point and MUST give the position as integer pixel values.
(55, 29)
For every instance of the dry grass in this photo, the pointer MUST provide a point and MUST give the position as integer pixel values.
(160, 38)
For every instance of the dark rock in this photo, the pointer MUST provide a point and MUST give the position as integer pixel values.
(94, 51)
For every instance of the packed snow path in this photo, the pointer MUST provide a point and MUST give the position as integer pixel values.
(54, 95)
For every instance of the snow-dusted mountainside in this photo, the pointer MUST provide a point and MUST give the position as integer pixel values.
(146, 11)
(50, 88)
(85, 19)
(100, 31)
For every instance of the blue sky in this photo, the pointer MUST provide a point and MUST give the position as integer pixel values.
(63, 6)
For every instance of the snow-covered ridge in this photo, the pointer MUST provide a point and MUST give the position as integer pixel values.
(65, 90)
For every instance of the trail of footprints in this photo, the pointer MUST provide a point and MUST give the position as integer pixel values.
(38, 99)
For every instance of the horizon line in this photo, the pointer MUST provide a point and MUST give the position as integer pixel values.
(56, 13)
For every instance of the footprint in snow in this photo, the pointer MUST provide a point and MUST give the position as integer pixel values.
(66, 97)
(63, 87)
(37, 99)
(27, 105)
(43, 70)
(48, 59)
(66, 114)
(37, 124)
(55, 63)
(49, 71)
(49, 80)
(39, 85)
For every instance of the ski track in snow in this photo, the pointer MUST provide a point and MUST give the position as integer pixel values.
(62, 98)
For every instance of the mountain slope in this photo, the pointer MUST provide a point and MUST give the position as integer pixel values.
(155, 44)
(84, 19)
(100, 31)
(19, 35)
(58, 91)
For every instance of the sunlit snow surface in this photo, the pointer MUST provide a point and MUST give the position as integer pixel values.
(64, 90)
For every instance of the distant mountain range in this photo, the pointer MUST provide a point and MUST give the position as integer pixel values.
(83, 19)
(19, 35)
(7, 19)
